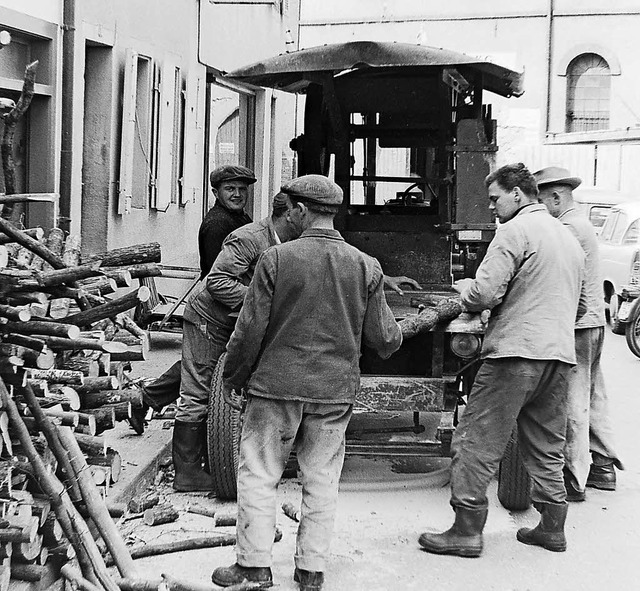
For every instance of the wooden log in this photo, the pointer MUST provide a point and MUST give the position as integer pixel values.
(140, 270)
(129, 325)
(44, 359)
(160, 514)
(80, 344)
(131, 354)
(35, 233)
(51, 530)
(100, 475)
(66, 395)
(28, 550)
(71, 251)
(38, 327)
(114, 307)
(66, 418)
(101, 285)
(122, 277)
(33, 245)
(86, 366)
(123, 410)
(97, 508)
(58, 376)
(41, 507)
(20, 533)
(170, 583)
(59, 276)
(76, 580)
(104, 364)
(35, 343)
(111, 460)
(5, 577)
(15, 314)
(104, 418)
(27, 572)
(97, 384)
(25, 298)
(59, 308)
(23, 257)
(75, 529)
(91, 445)
(128, 255)
(102, 397)
(141, 503)
(138, 584)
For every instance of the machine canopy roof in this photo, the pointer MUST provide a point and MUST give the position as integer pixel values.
(294, 71)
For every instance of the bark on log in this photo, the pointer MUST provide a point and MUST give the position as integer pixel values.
(138, 584)
(76, 580)
(35, 343)
(129, 325)
(144, 502)
(172, 584)
(91, 445)
(71, 252)
(66, 394)
(80, 344)
(128, 255)
(86, 366)
(122, 410)
(39, 327)
(114, 307)
(131, 354)
(75, 529)
(122, 277)
(34, 246)
(97, 508)
(159, 514)
(28, 550)
(35, 233)
(102, 397)
(15, 314)
(104, 418)
(98, 384)
(59, 308)
(27, 572)
(10, 122)
(140, 270)
(111, 460)
(59, 376)
(51, 530)
(101, 285)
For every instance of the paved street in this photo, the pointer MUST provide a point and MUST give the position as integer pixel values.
(382, 512)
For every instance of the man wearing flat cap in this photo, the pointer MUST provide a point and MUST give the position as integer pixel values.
(209, 317)
(296, 349)
(589, 450)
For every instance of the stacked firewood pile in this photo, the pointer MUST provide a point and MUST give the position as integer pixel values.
(66, 343)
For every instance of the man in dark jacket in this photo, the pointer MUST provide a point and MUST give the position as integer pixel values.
(230, 187)
(296, 347)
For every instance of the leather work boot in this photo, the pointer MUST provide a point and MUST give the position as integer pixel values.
(549, 533)
(602, 474)
(573, 494)
(463, 538)
(225, 576)
(188, 451)
(308, 580)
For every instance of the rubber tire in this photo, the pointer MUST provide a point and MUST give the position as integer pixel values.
(514, 482)
(617, 327)
(632, 329)
(224, 425)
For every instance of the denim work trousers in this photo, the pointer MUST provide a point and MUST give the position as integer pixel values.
(506, 390)
(588, 424)
(202, 345)
(268, 433)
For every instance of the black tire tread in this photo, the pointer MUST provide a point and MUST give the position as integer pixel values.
(223, 438)
(514, 482)
(632, 329)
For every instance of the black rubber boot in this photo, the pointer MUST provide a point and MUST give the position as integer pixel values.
(308, 580)
(549, 533)
(225, 576)
(464, 538)
(602, 473)
(188, 452)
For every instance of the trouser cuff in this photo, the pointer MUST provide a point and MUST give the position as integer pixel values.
(254, 560)
(313, 563)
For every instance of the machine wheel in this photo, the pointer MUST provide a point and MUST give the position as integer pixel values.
(514, 483)
(617, 327)
(224, 425)
(632, 329)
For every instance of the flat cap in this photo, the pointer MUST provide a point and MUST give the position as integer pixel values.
(554, 175)
(315, 188)
(231, 173)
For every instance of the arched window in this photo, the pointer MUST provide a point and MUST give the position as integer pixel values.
(588, 93)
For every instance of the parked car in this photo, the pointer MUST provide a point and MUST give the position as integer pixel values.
(596, 203)
(620, 259)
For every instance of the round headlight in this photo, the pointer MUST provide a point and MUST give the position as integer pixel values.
(465, 345)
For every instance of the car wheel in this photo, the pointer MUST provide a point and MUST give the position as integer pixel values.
(632, 329)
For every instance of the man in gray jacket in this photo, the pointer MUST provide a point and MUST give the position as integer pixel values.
(530, 279)
(588, 423)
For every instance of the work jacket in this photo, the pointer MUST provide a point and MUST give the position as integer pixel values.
(583, 230)
(219, 296)
(311, 304)
(216, 226)
(531, 280)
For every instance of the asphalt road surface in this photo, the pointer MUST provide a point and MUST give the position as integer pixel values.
(383, 508)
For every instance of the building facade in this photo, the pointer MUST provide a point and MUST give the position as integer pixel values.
(130, 113)
(581, 106)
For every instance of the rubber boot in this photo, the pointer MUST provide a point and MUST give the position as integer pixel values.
(602, 473)
(549, 533)
(308, 580)
(225, 576)
(188, 451)
(464, 538)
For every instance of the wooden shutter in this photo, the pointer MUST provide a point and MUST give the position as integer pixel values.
(125, 181)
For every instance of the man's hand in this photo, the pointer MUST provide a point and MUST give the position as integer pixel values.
(231, 398)
(395, 283)
(462, 284)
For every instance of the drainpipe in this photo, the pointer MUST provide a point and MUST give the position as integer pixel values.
(66, 155)
(547, 115)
